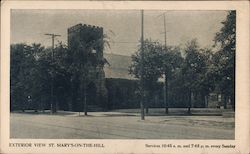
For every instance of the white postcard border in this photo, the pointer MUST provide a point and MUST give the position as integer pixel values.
(134, 146)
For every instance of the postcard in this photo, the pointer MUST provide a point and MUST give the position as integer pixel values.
(125, 77)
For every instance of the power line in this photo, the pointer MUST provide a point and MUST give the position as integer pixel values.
(121, 42)
(125, 42)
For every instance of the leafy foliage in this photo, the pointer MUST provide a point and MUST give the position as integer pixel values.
(31, 73)
(158, 61)
(192, 75)
(224, 59)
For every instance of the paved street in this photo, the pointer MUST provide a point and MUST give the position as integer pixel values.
(115, 125)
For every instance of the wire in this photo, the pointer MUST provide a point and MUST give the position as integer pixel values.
(124, 42)
(133, 42)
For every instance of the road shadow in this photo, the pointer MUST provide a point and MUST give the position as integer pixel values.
(120, 113)
(47, 112)
(183, 114)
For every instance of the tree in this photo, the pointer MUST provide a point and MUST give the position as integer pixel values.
(17, 58)
(171, 59)
(189, 69)
(206, 79)
(36, 81)
(25, 76)
(31, 73)
(193, 70)
(62, 76)
(152, 66)
(224, 60)
(158, 60)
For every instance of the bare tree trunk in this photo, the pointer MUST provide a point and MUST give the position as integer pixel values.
(146, 109)
(233, 102)
(206, 101)
(142, 108)
(189, 101)
(166, 93)
(225, 101)
(85, 100)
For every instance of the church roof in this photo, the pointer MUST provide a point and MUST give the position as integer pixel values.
(119, 66)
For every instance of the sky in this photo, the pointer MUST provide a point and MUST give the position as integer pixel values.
(123, 27)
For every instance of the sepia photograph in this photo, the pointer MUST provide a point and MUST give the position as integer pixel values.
(122, 74)
(112, 77)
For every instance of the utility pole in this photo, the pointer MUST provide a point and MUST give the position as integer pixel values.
(84, 84)
(165, 31)
(165, 87)
(52, 104)
(83, 89)
(165, 81)
(141, 68)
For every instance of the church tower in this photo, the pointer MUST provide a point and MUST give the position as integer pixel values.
(85, 44)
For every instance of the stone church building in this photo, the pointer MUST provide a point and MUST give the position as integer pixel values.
(106, 78)
(108, 82)
(86, 41)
